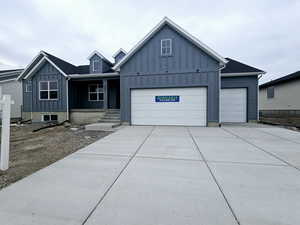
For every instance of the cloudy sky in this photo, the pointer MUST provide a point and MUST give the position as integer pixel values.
(262, 33)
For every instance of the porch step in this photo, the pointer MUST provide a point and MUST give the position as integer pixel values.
(109, 121)
(111, 116)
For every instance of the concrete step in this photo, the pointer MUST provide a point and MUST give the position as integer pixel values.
(111, 117)
(101, 126)
(108, 121)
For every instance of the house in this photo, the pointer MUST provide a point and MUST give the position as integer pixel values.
(279, 100)
(168, 78)
(10, 86)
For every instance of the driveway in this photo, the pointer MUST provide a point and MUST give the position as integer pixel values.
(166, 176)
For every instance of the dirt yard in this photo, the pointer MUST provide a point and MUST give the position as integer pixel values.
(31, 151)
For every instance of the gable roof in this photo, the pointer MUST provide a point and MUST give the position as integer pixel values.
(118, 52)
(10, 71)
(236, 67)
(64, 67)
(100, 55)
(7, 75)
(289, 77)
(187, 35)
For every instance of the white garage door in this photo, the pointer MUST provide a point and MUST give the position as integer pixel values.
(169, 106)
(234, 105)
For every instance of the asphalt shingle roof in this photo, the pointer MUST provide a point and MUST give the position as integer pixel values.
(290, 77)
(234, 66)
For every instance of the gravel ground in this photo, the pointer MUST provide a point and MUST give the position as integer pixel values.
(31, 151)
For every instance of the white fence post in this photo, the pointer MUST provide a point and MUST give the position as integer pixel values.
(5, 131)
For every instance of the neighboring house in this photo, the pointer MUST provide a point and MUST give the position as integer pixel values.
(168, 78)
(279, 100)
(10, 86)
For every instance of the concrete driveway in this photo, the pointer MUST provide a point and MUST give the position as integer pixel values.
(167, 176)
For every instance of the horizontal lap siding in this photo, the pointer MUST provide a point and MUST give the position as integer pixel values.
(188, 66)
(250, 83)
(31, 99)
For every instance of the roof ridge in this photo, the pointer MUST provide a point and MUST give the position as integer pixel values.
(57, 58)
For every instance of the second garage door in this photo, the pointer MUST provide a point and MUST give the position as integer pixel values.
(169, 106)
(234, 105)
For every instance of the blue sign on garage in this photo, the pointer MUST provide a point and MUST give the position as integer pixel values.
(168, 98)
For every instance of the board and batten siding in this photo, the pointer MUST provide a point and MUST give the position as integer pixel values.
(31, 100)
(188, 66)
(251, 84)
(103, 65)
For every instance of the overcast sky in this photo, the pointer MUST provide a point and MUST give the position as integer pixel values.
(261, 33)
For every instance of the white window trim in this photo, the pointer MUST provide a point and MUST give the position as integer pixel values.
(48, 89)
(26, 87)
(93, 64)
(161, 47)
(95, 92)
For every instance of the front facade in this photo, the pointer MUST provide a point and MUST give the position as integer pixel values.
(279, 100)
(168, 78)
(10, 86)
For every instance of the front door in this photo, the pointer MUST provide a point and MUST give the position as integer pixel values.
(113, 91)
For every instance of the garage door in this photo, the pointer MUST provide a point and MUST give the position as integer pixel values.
(169, 106)
(234, 105)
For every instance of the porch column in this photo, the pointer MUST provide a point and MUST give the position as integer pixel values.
(105, 103)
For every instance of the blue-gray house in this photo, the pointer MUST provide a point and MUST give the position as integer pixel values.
(168, 78)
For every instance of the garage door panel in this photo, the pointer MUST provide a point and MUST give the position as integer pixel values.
(234, 105)
(189, 111)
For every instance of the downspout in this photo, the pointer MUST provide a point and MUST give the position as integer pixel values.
(220, 68)
(67, 90)
(259, 76)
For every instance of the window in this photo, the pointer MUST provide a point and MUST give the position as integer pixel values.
(49, 118)
(166, 47)
(96, 65)
(96, 92)
(48, 90)
(270, 92)
(28, 87)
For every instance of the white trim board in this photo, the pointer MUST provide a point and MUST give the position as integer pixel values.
(117, 53)
(94, 75)
(43, 60)
(190, 37)
(98, 54)
(27, 67)
(3, 81)
(241, 74)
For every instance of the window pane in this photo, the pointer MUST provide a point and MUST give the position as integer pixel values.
(53, 117)
(93, 96)
(101, 96)
(44, 94)
(43, 85)
(46, 118)
(53, 85)
(92, 88)
(53, 94)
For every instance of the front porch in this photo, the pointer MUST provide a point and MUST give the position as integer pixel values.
(93, 99)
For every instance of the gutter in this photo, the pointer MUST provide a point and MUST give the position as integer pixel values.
(93, 75)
